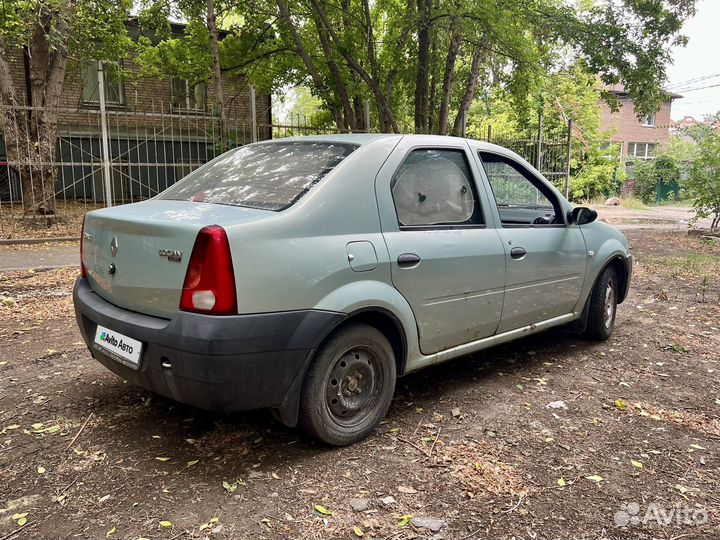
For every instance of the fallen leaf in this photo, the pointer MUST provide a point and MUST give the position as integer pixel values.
(358, 531)
(620, 404)
(697, 447)
(561, 482)
(110, 532)
(275, 476)
(41, 470)
(636, 464)
(595, 478)
(193, 462)
(404, 520)
(321, 509)
(163, 459)
(166, 524)
(681, 489)
(103, 499)
(22, 521)
(19, 516)
(230, 488)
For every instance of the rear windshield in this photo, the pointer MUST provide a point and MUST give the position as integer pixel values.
(269, 176)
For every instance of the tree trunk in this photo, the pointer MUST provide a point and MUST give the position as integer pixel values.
(31, 136)
(350, 123)
(470, 87)
(217, 73)
(423, 70)
(310, 64)
(453, 49)
(388, 122)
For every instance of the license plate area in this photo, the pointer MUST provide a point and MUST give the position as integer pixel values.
(119, 347)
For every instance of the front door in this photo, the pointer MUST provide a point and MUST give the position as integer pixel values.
(546, 259)
(445, 261)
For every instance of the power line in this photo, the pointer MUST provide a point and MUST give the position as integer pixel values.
(690, 82)
(701, 88)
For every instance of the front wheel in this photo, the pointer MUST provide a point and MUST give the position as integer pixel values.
(603, 306)
(349, 386)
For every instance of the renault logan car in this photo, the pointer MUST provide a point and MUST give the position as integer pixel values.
(305, 275)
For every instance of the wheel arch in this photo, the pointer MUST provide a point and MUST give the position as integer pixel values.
(384, 320)
(619, 263)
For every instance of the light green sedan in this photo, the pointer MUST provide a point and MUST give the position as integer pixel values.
(305, 275)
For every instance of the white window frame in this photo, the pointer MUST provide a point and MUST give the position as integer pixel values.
(647, 154)
(648, 120)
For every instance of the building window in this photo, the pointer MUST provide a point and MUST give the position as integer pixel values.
(114, 90)
(642, 150)
(648, 120)
(188, 95)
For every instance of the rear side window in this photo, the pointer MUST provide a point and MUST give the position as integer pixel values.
(433, 187)
(270, 176)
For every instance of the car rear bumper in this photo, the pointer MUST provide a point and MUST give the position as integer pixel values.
(220, 363)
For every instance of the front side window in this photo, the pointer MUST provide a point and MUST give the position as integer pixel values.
(188, 95)
(433, 187)
(521, 198)
(114, 90)
(270, 176)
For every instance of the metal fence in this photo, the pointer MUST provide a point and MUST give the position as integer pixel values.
(121, 156)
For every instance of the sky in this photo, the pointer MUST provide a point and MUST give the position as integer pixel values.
(698, 64)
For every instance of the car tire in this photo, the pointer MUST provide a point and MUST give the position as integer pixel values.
(603, 307)
(349, 385)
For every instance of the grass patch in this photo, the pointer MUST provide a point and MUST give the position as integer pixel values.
(633, 203)
(692, 263)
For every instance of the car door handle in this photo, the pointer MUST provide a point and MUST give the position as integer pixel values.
(518, 252)
(408, 259)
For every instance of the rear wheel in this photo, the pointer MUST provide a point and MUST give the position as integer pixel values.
(603, 306)
(349, 386)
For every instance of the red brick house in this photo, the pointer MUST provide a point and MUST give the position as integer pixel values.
(639, 138)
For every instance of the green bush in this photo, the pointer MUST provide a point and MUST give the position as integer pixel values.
(600, 176)
(703, 183)
(651, 176)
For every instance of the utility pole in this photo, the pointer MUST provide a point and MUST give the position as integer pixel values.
(104, 146)
(569, 157)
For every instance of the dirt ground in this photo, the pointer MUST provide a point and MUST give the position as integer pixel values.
(472, 443)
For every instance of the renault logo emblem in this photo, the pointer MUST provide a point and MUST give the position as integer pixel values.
(113, 246)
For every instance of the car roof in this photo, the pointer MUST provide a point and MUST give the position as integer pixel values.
(365, 138)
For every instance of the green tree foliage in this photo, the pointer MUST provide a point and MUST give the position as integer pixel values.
(422, 63)
(703, 184)
(651, 176)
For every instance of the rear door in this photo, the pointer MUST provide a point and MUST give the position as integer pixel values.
(446, 261)
(546, 259)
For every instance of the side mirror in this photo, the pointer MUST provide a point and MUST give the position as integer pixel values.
(582, 215)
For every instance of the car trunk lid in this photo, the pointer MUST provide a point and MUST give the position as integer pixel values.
(137, 255)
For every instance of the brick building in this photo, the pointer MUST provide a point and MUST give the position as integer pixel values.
(158, 130)
(639, 138)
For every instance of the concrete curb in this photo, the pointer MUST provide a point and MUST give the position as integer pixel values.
(30, 241)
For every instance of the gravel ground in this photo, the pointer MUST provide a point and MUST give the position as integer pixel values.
(550, 436)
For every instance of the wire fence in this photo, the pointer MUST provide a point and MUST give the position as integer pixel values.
(115, 157)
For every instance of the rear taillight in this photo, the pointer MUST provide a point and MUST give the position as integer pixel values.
(83, 270)
(210, 280)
